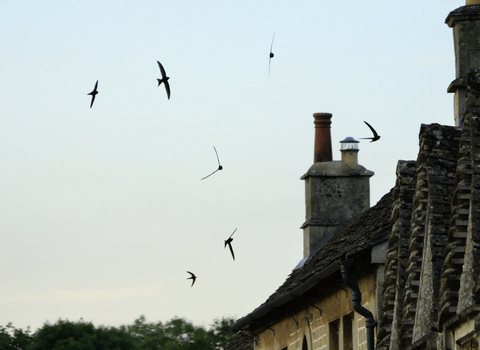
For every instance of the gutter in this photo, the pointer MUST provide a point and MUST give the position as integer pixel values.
(295, 293)
(370, 322)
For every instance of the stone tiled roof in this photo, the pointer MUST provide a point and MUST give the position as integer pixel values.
(432, 274)
(415, 253)
(367, 230)
(397, 252)
(240, 342)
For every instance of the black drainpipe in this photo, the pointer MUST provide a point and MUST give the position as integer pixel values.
(370, 322)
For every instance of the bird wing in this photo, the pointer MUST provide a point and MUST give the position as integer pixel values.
(231, 250)
(93, 99)
(203, 178)
(219, 166)
(94, 91)
(193, 277)
(218, 160)
(232, 233)
(162, 70)
(375, 135)
(271, 46)
(167, 87)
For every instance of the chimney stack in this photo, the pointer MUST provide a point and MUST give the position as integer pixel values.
(335, 191)
(465, 22)
(323, 139)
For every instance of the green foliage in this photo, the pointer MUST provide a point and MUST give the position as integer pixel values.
(176, 334)
(221, 332)
(13, 339)
(80, 336)
(179, 334)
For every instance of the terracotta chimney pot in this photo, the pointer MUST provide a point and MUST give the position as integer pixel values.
(323, 139)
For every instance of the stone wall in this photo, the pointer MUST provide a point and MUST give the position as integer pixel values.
(314, 324)
(469, 281)
(441, 295)
(397, 253)
(335, 192)
(439, 147)
(460, 271)
(421, 217)
(465, 22)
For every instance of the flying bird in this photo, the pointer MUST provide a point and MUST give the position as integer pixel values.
(192, 277)
(229, 243)
(271, 55)
(164, 79)
(375, 137)
(93, 93)
(219, 166)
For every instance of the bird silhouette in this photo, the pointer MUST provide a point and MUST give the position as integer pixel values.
(219, 166)
(229, 243)
(192, 277)
(271, 55)
(164, 79)
(375, 137)
(93, 93)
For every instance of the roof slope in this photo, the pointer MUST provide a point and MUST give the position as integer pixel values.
(240, 342)
(365, 231)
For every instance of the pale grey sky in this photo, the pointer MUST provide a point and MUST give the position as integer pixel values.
(103, 210)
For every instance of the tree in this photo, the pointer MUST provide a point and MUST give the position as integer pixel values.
(65, 335)
(221, 332)
(180, 334)
(12, 338)
(176, 334)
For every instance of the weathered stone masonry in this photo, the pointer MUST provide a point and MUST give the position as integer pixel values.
(420, 222)
(397, 253)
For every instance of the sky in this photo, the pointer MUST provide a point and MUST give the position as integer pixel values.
(102, 209)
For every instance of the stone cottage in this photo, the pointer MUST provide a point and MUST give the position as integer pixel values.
(405, 273)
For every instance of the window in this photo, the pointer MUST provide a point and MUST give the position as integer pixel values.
(348, 332)
(341, 333)
(304, 345)
(470, 343)
(334, 335)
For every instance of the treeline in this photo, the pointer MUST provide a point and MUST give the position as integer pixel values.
(176, 334)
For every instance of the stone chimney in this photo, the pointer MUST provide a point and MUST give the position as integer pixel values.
(335, 191)
(465, 22)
